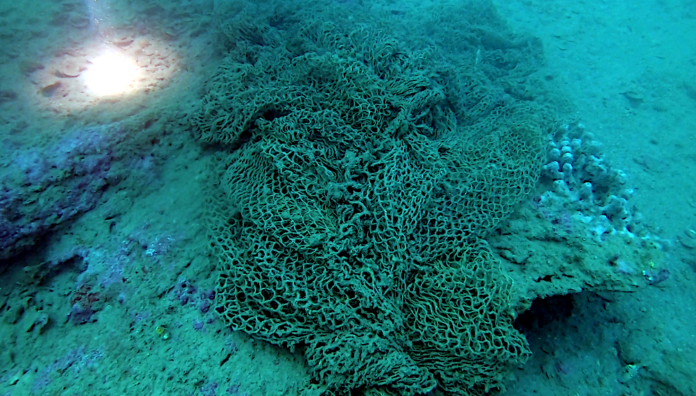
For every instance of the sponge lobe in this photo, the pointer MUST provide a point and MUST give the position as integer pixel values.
(350, 202)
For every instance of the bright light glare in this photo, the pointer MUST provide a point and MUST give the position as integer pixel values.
(111, 74)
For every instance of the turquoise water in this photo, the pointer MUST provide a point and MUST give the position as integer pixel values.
(116, 136)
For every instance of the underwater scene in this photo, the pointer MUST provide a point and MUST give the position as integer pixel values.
(347, 198)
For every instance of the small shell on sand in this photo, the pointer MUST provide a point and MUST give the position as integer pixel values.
(688, 239)
(50, 90)
(69, 68)
(123, 42)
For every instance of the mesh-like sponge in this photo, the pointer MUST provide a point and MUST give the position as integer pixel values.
(350, 203)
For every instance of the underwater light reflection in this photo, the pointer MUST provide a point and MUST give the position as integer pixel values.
(111, 74)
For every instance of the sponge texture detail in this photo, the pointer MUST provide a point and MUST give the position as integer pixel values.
(350, 204)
